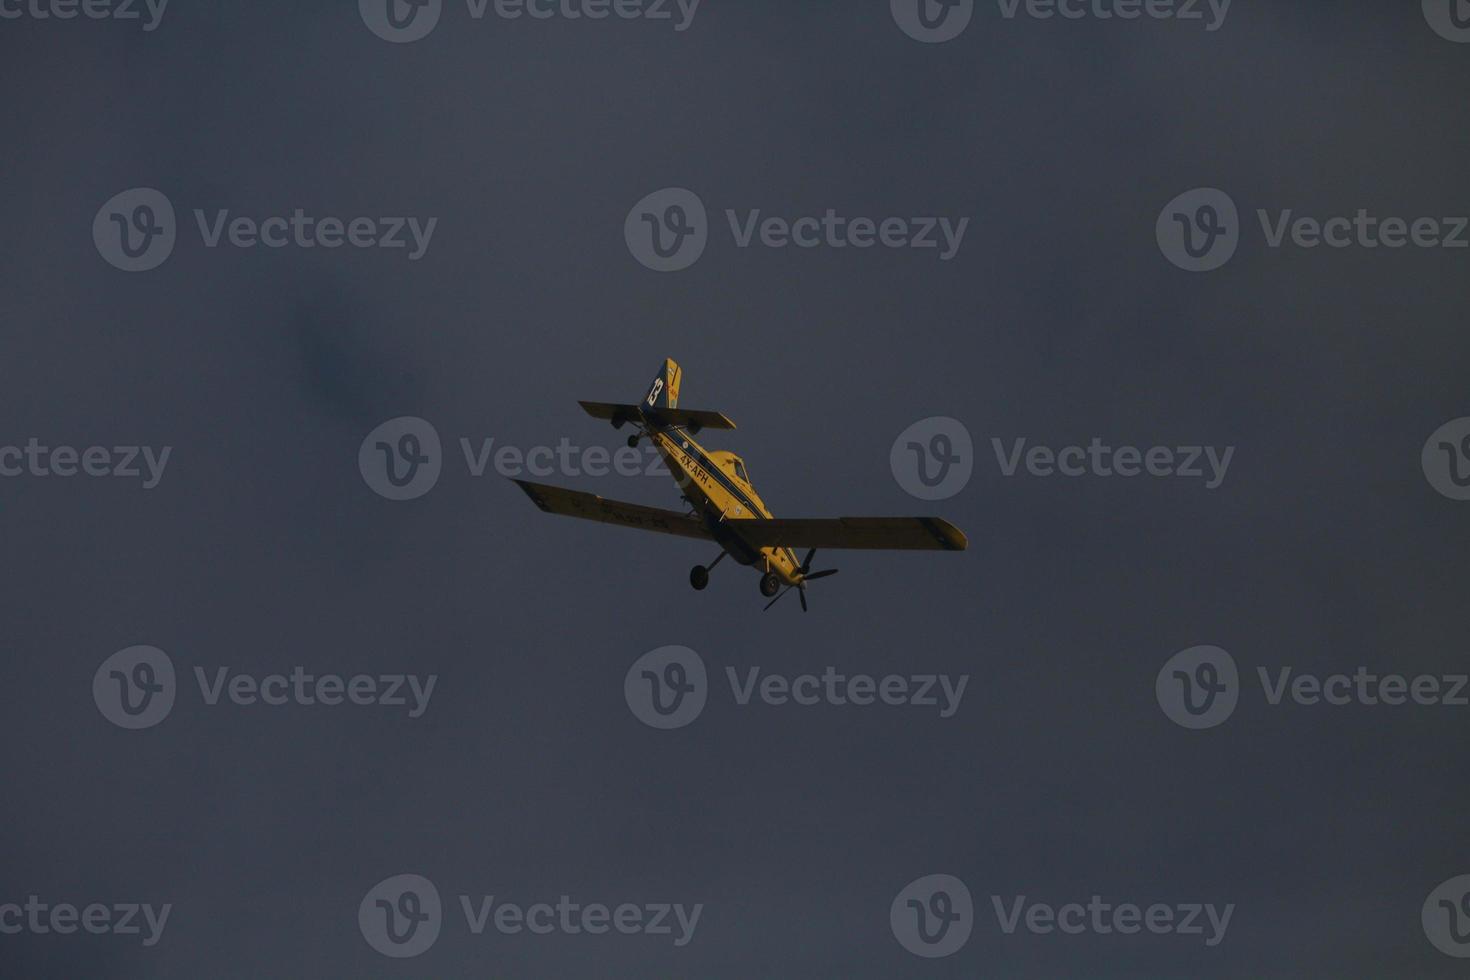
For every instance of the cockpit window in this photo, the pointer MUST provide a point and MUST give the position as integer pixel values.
(740, 470)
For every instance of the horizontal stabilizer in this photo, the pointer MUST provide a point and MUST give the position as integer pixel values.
(689, 418)
(589, 506)
(876, 533)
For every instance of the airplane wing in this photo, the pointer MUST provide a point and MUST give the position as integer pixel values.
(617, 414)
(878, 533)
(688, 417)
(575, 503)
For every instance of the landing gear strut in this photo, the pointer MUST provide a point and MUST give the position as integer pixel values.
(699, 574)
(770, 584)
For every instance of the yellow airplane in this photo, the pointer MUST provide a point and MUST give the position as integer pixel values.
(725, 507)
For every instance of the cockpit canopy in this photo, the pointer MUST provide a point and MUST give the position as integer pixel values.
(732, 464)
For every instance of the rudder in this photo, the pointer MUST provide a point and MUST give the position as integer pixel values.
(664, 392)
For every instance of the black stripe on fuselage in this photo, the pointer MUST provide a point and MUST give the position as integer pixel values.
(723, 479)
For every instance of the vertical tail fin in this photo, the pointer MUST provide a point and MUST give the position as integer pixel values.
(664, 392)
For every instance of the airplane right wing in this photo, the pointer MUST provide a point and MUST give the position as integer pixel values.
(876, 533)
(589, 506)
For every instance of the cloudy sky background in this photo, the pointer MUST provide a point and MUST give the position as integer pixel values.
(528, 778)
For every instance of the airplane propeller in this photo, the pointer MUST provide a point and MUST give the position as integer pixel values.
(806, 576)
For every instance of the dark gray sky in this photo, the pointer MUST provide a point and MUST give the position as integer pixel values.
(528, 777)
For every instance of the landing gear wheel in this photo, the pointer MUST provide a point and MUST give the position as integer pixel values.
(770, 584)
(699, 577)
(633, 442)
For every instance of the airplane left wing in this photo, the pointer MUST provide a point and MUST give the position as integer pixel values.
(589, 506)
(877, 533)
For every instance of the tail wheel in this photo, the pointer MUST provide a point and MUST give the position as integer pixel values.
(633, 441)
(770, 584)
(699, 577)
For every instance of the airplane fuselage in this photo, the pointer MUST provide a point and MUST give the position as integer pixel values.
(711, 483)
